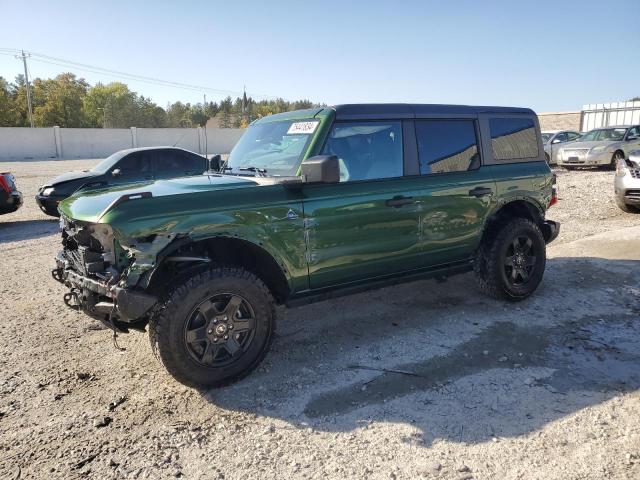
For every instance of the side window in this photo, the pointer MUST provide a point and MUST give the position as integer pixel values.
(136, 165)
(447, 146)
(174, 163)
(561, 137)
(573, 136)
(193, 164)
(366, 150)
(634, 132)
(513, 138)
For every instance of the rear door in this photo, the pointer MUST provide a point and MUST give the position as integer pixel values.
(366, 226)
(135, 167)
(455, 192)
(170, 163)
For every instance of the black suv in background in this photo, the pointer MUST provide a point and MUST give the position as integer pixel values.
(10, 197)
(125, 166)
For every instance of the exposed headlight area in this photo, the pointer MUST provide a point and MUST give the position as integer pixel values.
(47, 191)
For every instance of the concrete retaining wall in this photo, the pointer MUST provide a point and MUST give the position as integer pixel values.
(560, 121)
(67, 143)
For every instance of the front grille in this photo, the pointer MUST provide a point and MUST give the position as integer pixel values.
(632, 194)
(576, 152)
(83, 251)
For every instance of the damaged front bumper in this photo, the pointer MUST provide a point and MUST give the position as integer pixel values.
(117, 307)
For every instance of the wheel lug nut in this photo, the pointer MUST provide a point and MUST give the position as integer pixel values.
(215, 339)
(231, 326)
(209, 332)
(225, 319)
(215, 320)
(226, 337)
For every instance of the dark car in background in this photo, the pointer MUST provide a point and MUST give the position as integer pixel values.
(10, 197)
(125, 166)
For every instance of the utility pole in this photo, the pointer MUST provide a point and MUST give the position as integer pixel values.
(26, 79)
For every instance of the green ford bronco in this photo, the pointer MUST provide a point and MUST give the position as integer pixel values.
(310, 204)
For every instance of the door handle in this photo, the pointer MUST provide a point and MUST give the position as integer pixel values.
(399, 201)
(480, 192)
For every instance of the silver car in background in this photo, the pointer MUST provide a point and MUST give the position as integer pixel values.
(627, 183)
(552, 140)
(602, 146)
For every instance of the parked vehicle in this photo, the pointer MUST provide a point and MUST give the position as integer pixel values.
(125, 166)
(10, 197)
(627, 183)
(310, 204)
(552, 140)
(600, 147)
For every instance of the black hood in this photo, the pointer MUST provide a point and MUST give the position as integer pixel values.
(70, 176)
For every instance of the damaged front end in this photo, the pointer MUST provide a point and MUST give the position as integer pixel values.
(103, 275)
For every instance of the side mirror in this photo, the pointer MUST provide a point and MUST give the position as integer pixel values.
(556, 140)
(321, 169)
(215, 163)
(632, 137)
(116, 172)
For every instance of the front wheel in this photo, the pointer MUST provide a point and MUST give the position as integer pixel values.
(511, 261)
(215, 328)
(614, 160)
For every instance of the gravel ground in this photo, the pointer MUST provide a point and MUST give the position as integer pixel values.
(446, 384)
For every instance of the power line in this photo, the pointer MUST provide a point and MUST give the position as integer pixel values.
(38, 57)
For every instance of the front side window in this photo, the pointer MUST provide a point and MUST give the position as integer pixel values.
(634, 132)
(447, 146)
(272, 148)
(573, 136)
(561, 137)
(366, 150)
(513, 138)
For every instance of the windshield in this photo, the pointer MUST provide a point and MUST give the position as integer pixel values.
(273, 148)
(546, 137)
(604, 135)
(107, 163)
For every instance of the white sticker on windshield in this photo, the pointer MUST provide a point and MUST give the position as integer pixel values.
(304, 128)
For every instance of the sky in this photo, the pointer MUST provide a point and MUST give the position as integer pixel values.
(547, 55)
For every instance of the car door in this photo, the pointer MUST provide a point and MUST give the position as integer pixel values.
(134, 167)
(556, 143)
(366, 226)
(632, 140)
(174, 163)
(455, 192)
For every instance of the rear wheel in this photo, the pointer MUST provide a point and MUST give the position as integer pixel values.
(511, 261)
(215, 328)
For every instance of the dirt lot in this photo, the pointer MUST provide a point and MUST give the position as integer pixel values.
(423, 380)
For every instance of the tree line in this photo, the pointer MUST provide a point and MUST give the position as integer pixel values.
(68, 101)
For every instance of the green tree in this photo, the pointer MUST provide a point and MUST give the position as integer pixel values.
(179, 115)
(110, 106)
(8, 117)
(59, 101)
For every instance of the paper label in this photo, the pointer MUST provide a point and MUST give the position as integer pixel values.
(304, 128)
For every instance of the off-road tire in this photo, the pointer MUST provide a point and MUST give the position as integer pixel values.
(166, 329)
(489, 264)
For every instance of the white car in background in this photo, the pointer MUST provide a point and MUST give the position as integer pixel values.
(552, 140)
(600, 147)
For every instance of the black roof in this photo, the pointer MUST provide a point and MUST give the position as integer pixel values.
(413, 110)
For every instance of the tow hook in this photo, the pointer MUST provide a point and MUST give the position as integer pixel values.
(68, 297)
(56, 273)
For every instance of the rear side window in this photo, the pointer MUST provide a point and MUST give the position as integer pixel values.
(366, 150)
(447, 146)
(513, 138)
(573, 136)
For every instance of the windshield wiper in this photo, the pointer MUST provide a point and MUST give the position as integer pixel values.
(260, 171)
